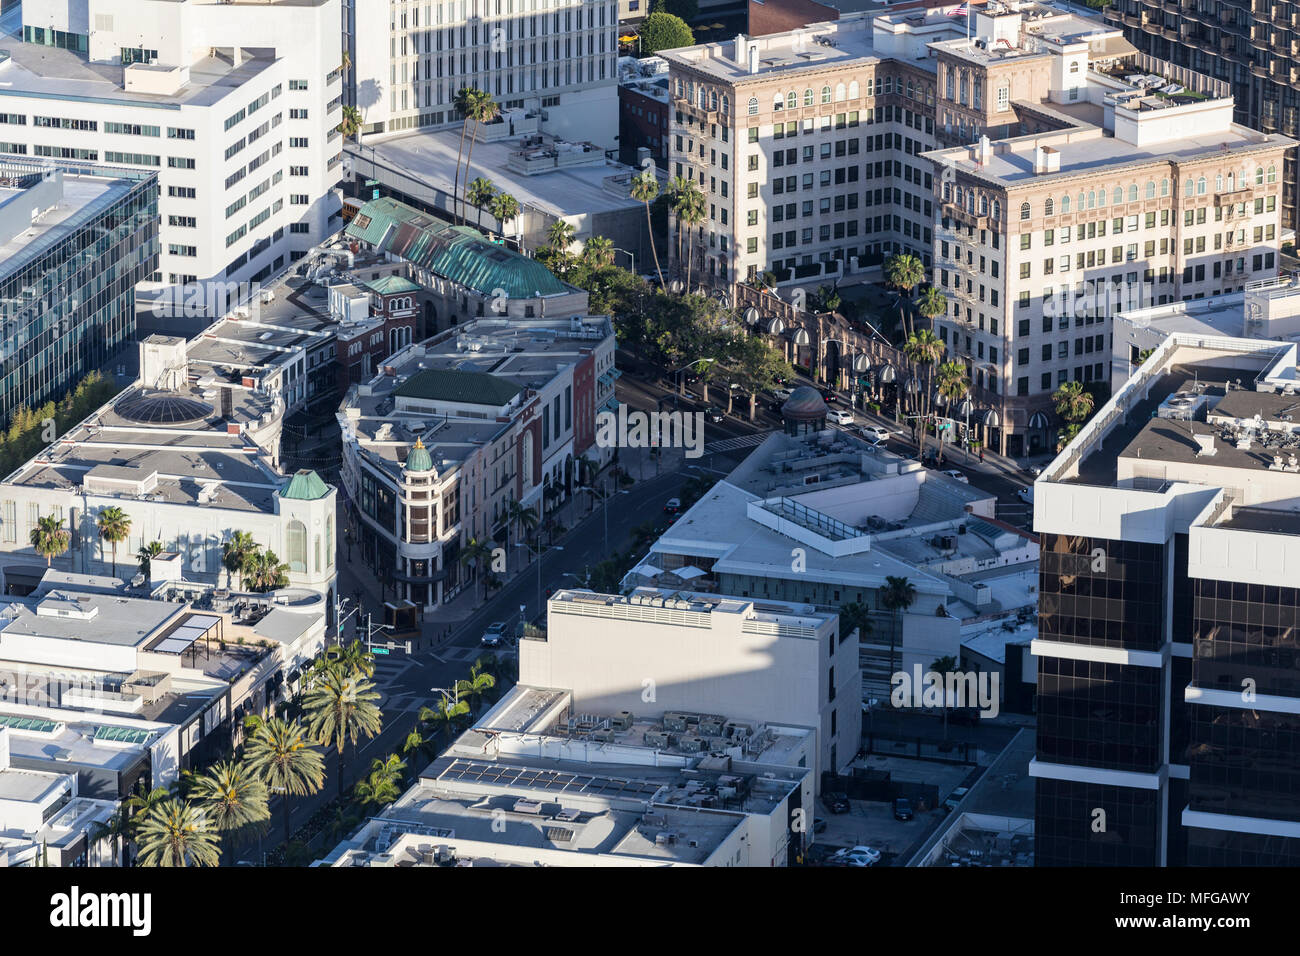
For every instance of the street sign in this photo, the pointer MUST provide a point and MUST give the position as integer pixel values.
(372, 182)
(379, 650)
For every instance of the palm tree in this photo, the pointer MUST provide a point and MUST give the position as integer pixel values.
(443, 715)
(855, 616)
(461, 104)
(645, 189)
(114, 527)
(264, 571)
(145, 554)
(690, 207)
(953, 386)
(233, 797)
(599, 252)
(504, 207)
(476, 553)
(904, 271)
(931, 304)
(281, 756)
(176, 833)
(383, 784)
(517, 514)
(354, 659)
(341, 708)
(480, 193)
(350, 125)
(1072, 402)
(235, 554)
(896, 596)
(944, 666)
(117, 830)
(476, 685)
(482, 109)
(925, 349)
(50, 538)
(560, 235)
(416, 745)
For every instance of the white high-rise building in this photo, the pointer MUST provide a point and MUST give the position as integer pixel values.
(234, 104)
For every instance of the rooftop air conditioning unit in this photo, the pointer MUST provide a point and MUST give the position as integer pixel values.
(622, 720)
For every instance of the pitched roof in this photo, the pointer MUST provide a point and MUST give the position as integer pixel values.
(457, 253)
(470, 388)
(391, 285)
(305, 485)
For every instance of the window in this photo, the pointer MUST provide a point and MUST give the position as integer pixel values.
(1048, 207)
(753, 107)
(296, 541)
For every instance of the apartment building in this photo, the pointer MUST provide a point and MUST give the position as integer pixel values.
(1166, 700)
(554, 59)
(1253, 47)
(807, 146)
(73, 246)
(233, 106)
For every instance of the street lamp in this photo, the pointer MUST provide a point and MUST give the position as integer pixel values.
(604, 496)
(537, 553)
(679, 371)
(628, 254)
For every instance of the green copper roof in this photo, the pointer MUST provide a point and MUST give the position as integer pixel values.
(471, 388)
(391, 285)
(457, 253)
(419, 459)
(305, 485)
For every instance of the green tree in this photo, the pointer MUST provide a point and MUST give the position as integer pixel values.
(482, 109)
(687, 10)
(690, 207)
(264, 571)
(50, 538)
(904, 271)
(461, 104)
(232, 797)
(350, 125)
(235, 554)
(383, 785)
(953, 385)
(354, 659)
(521, 516)
(476, 685)
(340, 709)
(944, 666)
(176, 833)
(1072, 402)
(281, 755)
(443, 716)
(645, 189)
(114, 527)
(931, 304)
(598, 252)
(145, 554)
(480, 193)
(117, 830)
(855, 616)
(505, 207)
(924, 349)
(663, 31)
(896, 596)
(476, 554)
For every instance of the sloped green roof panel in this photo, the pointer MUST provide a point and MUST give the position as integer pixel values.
(457, 253)
(391, 285)
(305, 485)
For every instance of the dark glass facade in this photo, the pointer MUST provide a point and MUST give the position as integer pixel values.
(1247, 632)
(67, 300)
(1101, 593)
(1246, 762)
(1092, 714)
(1083, 824)
(1225, 848)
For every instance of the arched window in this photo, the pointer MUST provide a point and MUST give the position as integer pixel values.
(680, 88)
(1272, 174)
(826, 94)
(1164, 187)
(1049, 207)
(1092, 199)
(316, 554)
(778, 102)
(726, 105)
(329, 541)
(1151, 189)
(1065, 204)
(1259, 175)
(1218, 183)
(854, 91)
(839, 92)
(1074, 67)
(1232, 180)
(911, 90)
(1133, 192)
(1117, 195)
(984, 205)
(791, 100)
(702, 98)
(1024, 210)
(753, 106)
(1200, 186)
(1082, 203)
(960, 195)
(1101, 197)
(997, 211)
(713, 101)
(947, 191)
(808, 97)
(1189, 186)
(296, 539)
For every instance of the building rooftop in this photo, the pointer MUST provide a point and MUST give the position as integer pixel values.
(458, 385)
(91, 618)
(814, 47)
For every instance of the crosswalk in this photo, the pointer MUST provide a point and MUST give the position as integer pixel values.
(732, 444)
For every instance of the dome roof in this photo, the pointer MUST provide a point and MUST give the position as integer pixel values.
(804, 403)
(419, 459)
(162, 408)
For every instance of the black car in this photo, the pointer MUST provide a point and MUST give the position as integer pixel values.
(713, 413)
(902, 809)
(836, 802)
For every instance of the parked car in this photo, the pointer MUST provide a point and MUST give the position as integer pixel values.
(1026, 495)
(874, 433)
(857, 856)
(782, 394)
(495, 635)
(902, 809)
(836, 802)
(713, 413)
(956, 475)
(841, 417)
(673, 506)
(829, 395)
(930, 459)
(954, 798)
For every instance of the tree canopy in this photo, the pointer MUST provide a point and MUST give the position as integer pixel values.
(663, 31)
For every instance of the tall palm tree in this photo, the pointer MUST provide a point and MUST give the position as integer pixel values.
(690, 207)
(478, 684)
(944, 666)
(232, 796)
(117, 830)
(145, 554)
(1072, 402)
(461, 104)
(383, 785)
(176, 833)
(235, 554)
(476, 553)
(264, 571)
(504, 207)
(416, 746)
(560, 235)
(645, 189)
(50, 538)
(904, 271)
(924, 349)
(480, 193)
(599, 252)
(354, 659)
(518, 514)
(114, 527)
(482, 109)
(340, 709)
(855, 616)
(350, 125)
(281, 755)
(443, 715)
(931, 304)
(954, 384)
(896, 596)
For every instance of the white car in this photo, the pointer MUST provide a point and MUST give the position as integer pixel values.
(857, 856)
(956, 475)
(782, 394)
(875, 433)
(1026, 495)
(840, 417)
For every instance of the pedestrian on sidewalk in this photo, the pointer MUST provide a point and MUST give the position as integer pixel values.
(981, 454)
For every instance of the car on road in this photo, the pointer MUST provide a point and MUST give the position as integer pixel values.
(829, 395)
(1026, 495)
(836, 802)
(956, 475)
(856, 856)
(874, 433)
(954, 798)
(495, 635)
(1033, 470)
(819, 825)
(673, 506)
(782, 394)
(840, 416)
(713, 413)
(903, 809)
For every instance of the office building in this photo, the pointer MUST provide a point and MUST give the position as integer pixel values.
(74, 243)
(233, 105)
(1166, 614)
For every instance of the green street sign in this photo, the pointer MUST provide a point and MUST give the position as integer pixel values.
(380, 650)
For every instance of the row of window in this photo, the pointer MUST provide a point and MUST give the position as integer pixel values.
(1096, 198)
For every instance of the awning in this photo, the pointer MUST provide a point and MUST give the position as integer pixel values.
(646, 571)
(1113, 47)
(610, 405)
(688, 573)
(1039, 420)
